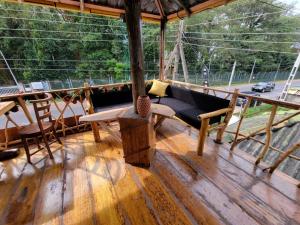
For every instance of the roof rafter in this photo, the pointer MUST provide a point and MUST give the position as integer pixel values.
(160, 8)
(184, 5)
(185, 8)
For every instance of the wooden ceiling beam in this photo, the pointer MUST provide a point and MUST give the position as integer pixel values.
(81, 6)
(210, 4)
(183, 5)
(160, 8)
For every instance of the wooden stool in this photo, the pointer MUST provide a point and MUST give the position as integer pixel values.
(41, 128)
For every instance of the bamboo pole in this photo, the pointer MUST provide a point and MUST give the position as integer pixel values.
(202, 136)
(284, 156)
(227, 117)
(240, 123)
(268, 133)
(162, 50)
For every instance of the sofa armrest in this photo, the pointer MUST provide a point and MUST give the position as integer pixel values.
(214, 113)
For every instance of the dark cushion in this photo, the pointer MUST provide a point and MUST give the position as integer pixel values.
(190, 116)
(176, 104)
(206, 102)
(102, 98)
(120, 105)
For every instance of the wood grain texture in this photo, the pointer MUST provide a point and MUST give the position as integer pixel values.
(90, 183)
(6, 106)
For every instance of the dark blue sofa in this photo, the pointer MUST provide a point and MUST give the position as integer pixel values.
(187, 104)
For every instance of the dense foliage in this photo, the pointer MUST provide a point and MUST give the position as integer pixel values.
(49, 44)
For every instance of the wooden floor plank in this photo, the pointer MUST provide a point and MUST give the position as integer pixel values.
(234, 178)
(77, 198)
(12, 170)
(165, 207)
(131, 199)
(104, 196)
(89, 183)
(274, 181)
(48, 208)
(22, 202)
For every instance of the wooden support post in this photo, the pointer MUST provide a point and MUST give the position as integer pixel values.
(228, 116)
(90, 106)
(202, 135)
(134, 29)
(249, 100)
(25, 109)
(232, 75)
(268, 133)
(182, 56)
(252, 71)
(284, 156)
(162, 50)
(175, 71)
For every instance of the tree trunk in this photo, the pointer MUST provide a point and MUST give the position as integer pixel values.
(162, 50)
(134, 29)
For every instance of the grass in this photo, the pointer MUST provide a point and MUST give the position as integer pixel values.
(265, 109)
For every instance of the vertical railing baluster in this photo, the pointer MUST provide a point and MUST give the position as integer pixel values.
(268, 134)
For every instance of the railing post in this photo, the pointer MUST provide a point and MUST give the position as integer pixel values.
(202, 135)
(91, 111)
(228, 116)
(268, 134)
(249, 100)
(284, 156)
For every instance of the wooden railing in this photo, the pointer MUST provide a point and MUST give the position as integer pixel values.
(74, 101)
(239, 136)
(66, 98)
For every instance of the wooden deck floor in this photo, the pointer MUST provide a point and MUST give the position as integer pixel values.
(89, 183)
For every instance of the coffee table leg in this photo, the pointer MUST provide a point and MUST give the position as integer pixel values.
(159, 121)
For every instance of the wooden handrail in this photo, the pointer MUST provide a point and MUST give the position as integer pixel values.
(214, 113)
(63, 90)
(290, 105)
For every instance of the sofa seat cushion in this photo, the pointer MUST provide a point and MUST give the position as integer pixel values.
(190, 116)
(175, 104)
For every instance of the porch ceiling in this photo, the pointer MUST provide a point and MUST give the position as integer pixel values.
(152, 10)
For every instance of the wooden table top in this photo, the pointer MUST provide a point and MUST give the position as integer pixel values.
(103, 116)
(162, 110)
(6, 106)
(113, 114)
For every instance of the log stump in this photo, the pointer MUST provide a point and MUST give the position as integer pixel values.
(138, 138)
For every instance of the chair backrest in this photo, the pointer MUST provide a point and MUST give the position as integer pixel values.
(42, 109)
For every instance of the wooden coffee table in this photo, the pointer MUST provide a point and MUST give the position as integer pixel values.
(161, 112)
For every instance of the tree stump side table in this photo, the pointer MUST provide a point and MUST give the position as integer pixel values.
(138, 138)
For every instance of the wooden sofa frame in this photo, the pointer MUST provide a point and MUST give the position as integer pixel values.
(206, 127)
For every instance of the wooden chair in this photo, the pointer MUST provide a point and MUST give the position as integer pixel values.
(40, 128)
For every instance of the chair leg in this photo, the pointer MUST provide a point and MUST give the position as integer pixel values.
(25, 144)
(56, 136)
(38, 142)
(47, 146)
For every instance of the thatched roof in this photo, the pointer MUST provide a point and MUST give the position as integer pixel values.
(152, 10)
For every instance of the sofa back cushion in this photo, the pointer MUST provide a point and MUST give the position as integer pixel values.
(206, 102)
(101, 98)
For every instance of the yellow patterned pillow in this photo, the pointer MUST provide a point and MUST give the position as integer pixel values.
(158, 88)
